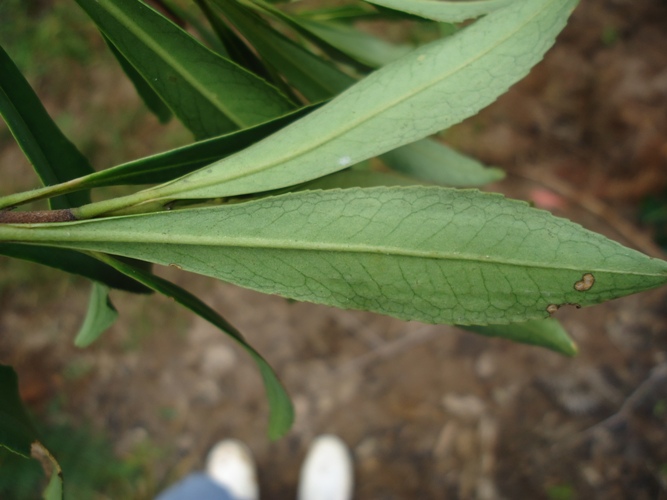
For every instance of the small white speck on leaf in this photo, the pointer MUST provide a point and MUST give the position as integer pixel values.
(344, 161)
(586, 283)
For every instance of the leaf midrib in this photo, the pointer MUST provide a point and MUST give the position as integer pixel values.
(113, 238)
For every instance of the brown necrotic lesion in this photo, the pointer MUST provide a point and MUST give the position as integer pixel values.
(586, 283)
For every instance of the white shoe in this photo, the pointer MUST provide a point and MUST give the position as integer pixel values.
(327, 473)
(230, 464)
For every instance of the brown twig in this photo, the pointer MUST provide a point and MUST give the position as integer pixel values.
(36, 216)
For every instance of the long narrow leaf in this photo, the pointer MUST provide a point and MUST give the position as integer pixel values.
(434, 162)
(340, 41)
(235, 48)
(53, 156)
(151, 99)
(101, 315)
(73, 263)
(425, 160)
(301, 27)
(55, 160)
(210, 94)
(364, 47)
(436, 86)
(165, 166)
(192, 19)
(349, 13)
(281, 411)
(445, 11)
(314, 77)
(17, 432)
(54, 490)
(169, 165)
(419, 253)
(547, 333)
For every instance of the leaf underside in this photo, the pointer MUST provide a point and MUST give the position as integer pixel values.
(417, 253)
(101, 315)
(548, 333)
(430, 89)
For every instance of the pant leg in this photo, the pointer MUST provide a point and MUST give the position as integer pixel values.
(197, 486)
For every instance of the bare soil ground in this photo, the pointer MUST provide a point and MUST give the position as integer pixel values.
(428, 411)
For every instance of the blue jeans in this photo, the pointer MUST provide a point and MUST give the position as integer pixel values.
(197, 486)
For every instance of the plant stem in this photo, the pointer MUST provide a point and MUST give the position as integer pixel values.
(148, 200)
(36, 217)
(17, 199)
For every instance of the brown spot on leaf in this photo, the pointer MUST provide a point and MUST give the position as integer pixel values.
(587, 281)
(552, 308)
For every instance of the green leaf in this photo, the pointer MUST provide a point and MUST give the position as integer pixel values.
(434, 87)
(431, 254)
(363, 47)
(433, 162)
(169, 165)
(235, 48)
(281, 411)
(210, 94)
(315, 78)
(425, 160)
(547, 333)
(301, 27)
(445, 11)
(101, 315)
(74, 263)
(54, 490)
(356, 178)
(348, 13)
(53, 156)
(165, 166)
(341, 42)
(151, 99)
(193, 19)
(17, 432)
(56, 160)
